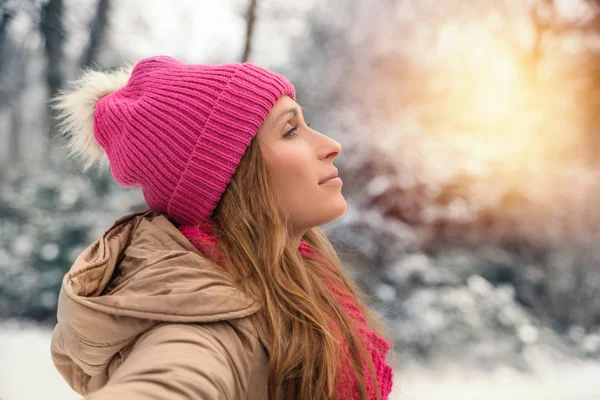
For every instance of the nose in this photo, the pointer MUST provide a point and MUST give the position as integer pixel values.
(330, 148)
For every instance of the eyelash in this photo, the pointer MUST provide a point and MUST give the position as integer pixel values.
(294, 129)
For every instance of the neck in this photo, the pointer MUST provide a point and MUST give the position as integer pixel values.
(296, 236)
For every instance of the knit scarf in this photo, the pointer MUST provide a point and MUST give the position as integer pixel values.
(346, 382)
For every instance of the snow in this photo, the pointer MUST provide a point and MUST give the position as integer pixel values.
(578, 382)
(26, 372)
(26, 369)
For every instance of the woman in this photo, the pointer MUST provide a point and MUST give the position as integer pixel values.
(225, 288)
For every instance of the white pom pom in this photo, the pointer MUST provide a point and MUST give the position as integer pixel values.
(76, 113)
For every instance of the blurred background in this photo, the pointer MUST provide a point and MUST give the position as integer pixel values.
(471, 162)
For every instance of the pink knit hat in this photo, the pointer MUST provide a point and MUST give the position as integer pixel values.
(176, 130)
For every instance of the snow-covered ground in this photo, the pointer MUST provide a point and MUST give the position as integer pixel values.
(580, 382)
(26, 372)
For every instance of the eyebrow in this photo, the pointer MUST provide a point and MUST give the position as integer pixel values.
(292, 110)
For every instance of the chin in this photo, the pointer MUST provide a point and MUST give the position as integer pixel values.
(338, 212)
(319, 217)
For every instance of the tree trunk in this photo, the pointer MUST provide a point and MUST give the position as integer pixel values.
(52, 29)
(14, 139)
(5, 18)
(250, 19)
(97, 34)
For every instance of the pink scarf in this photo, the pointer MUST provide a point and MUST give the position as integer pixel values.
(346, 382)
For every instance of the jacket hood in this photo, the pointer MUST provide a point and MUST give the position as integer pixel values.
(141, 272)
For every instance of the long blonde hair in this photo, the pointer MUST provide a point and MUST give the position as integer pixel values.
(306, 324)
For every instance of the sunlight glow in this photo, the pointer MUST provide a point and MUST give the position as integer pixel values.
(492, 98)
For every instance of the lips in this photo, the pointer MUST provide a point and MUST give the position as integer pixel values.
(333, 174)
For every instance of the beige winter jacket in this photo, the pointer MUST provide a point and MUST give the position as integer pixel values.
(141, 315)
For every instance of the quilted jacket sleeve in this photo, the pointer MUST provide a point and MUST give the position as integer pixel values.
(183, 361)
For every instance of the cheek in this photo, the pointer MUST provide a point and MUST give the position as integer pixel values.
(292, 168)
(304, 201)
(294, 175)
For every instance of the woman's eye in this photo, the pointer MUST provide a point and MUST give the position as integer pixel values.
(291, 132)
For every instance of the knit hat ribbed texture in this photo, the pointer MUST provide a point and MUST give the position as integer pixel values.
(178, 131)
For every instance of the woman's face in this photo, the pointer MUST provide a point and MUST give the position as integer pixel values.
(300, 160)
